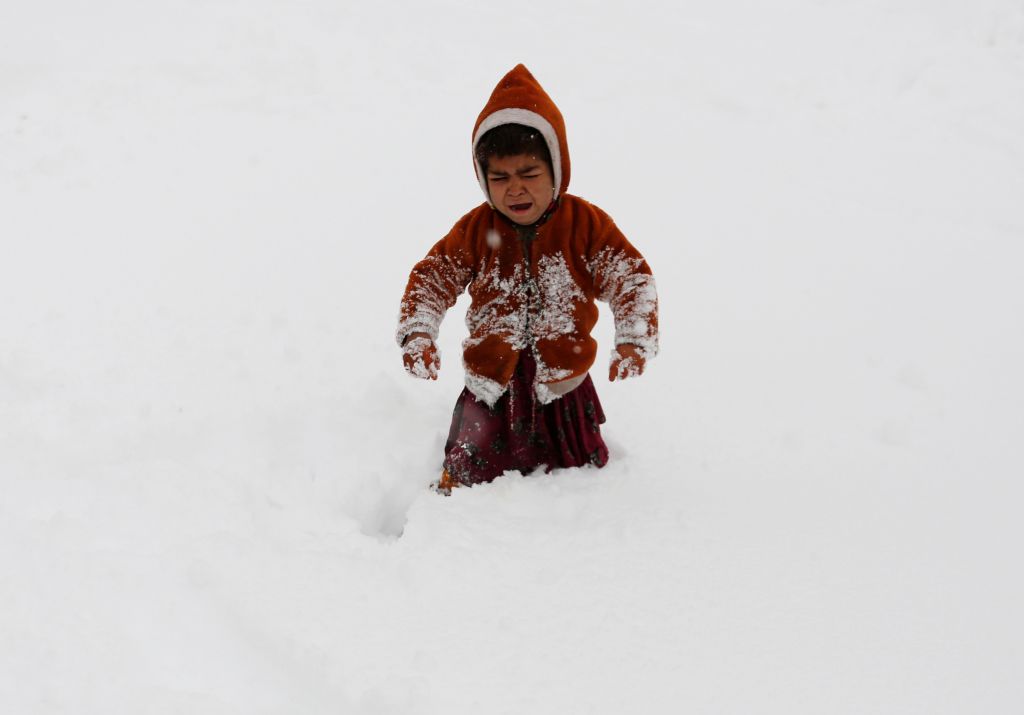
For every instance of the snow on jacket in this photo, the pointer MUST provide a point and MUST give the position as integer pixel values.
(532, 286)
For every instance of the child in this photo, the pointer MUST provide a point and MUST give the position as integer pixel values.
(534, 259)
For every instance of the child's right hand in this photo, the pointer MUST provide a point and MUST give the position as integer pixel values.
(421, 357)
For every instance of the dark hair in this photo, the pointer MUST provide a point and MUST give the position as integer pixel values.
(510, 140)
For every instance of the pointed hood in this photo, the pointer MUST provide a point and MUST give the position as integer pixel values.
(519, 99)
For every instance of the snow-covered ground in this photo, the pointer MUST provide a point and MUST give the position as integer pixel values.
(213, 468)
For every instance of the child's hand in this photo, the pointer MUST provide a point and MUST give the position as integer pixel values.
(421, 357)
(627, 361)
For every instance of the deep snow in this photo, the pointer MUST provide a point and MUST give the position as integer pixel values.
(213, 468)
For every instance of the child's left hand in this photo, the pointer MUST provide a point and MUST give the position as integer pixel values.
(421, 357)
(627, 361)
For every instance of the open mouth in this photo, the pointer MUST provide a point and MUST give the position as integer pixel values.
(520, 208)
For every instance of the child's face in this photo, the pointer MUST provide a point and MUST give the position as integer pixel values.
(520, 186)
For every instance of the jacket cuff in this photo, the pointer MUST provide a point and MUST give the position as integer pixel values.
(648, 344)
(414, 325)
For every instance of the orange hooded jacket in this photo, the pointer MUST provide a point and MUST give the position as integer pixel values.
(538, 293)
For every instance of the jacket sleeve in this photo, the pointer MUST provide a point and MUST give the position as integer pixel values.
(435, 283)
(623, 279)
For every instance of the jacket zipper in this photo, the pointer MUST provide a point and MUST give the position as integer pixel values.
(525, 237)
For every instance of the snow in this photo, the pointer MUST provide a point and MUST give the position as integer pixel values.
(213, 467)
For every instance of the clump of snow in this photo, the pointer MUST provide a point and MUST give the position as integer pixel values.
(558, 294)
(487, 390)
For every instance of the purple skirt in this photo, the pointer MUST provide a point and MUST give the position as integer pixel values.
(520, 433)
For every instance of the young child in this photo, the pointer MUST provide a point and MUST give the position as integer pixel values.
(534, 259)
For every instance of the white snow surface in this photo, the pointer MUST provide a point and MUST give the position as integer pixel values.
(213, 467)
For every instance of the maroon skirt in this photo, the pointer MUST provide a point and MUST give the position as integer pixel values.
(520, 433)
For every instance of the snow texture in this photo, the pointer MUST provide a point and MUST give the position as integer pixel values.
(213, 469)
(558, 295)
(424, 309)
(483, 388)
(496, 317)
(632, 296)
(532, 307)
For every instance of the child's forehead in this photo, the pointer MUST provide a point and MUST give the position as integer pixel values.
(513, 162)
